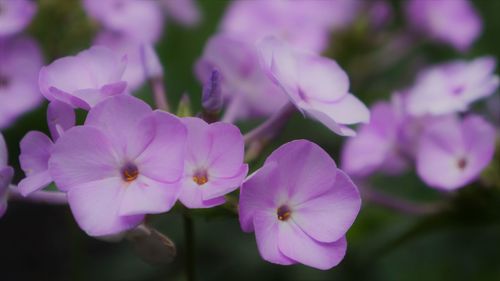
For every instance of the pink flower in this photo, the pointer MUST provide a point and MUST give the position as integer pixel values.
(452, 153)
(125, 162)
(36, 148)
(304, 23)
(142, 60)
(185, 12)
(85, 79)
(316, 85)
(20, 61)
(214, 163)
(439, 20)
(452, 87)
(242, 80)
(15, 15)
(139, 20)
(300, 206)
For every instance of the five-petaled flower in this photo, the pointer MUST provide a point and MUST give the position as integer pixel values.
(300, 206)
(125, 162)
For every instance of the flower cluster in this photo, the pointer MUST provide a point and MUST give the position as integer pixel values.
(123, 160)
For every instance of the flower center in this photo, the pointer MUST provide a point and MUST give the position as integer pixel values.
(462, 163)
(458, 90)
(130, 172)
(4, 81)
(284, 213)
(200, 177)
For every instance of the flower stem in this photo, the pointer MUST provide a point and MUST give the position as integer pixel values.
(271, 126)
(43, 197)
(190, 246)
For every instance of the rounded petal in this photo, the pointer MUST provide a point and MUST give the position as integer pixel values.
(330, 123)
(305, 170)
(36, 149)
(479, 140)
(346, 110)
(191, 196)
(120, 117)
(227, 150)
(199, 142)
(83, 154)
(163, 159)
(217, 186)
(258, 192)
(267, 227)
(96, 204)
(297, 245)
(34, 182)
(327, 218)
(60, 117)
(147, 196)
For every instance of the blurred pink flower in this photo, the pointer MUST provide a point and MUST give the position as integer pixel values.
(20, 61)
(454, 22)
(15, 15)
(452, 87)
(185, 12)
(452, 153)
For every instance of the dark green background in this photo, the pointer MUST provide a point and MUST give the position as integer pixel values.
(44, 243)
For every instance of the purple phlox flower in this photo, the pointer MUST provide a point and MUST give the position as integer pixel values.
(242, 80)
(214, 163)
(316, 85)
(140, 20)
(125, 162)
(440, 20)
(452, 87)
(377, 145)
(211, 98)
(142, 60)
(300, 206)
(36, 148)
(380, 13)
(185, 12)
(20, 61)
(306, 24)
(6, 174)
(85, 79)
(15, 15)
(453, 152)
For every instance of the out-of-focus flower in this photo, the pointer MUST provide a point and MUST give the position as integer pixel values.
(454, 22)
(452, 153)
(140, 20)
(20, 61)
(377, 146)
(15, 15)
(36, 148)
(380, 13)
(300, 206)
(6, 173)
(211, 98)
(185, 12)
(84, 80)
(125, 162)
(304, 23)
(142, 60)
(315, 84)
(451, 87)
(242, 79)
(214, 163)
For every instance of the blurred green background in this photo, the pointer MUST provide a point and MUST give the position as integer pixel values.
(39, 242)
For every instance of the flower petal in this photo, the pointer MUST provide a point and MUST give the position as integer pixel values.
(34, 182)
(328, 217)
(60, 117)
(83, 154)
(36, 148)
(95, 206)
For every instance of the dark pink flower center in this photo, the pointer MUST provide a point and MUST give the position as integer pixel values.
(284, 213)
(130, 172)
(4, 81)
(200, 177)
(462, 163)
